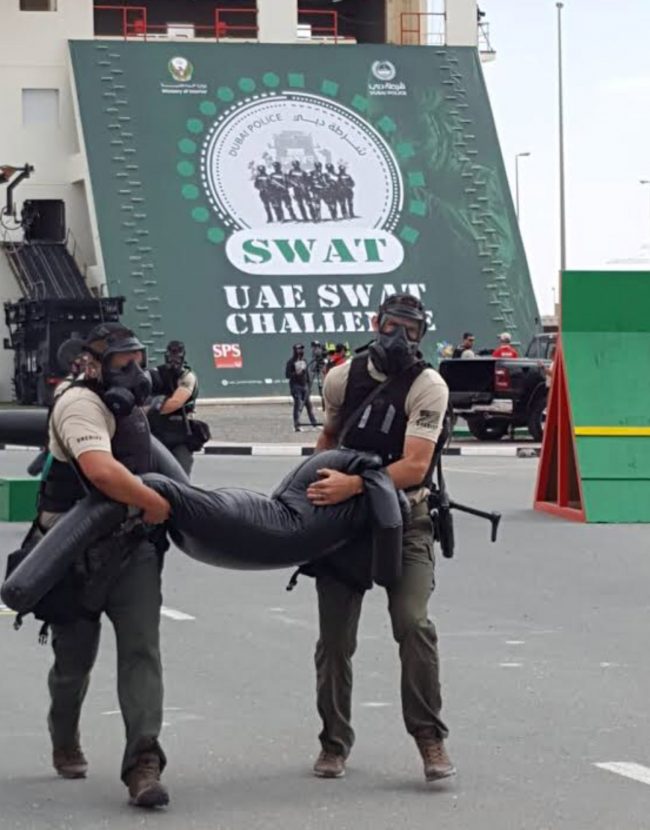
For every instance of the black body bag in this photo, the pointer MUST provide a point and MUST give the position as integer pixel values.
(62, 603)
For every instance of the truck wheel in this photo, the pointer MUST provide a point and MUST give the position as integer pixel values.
(536, 418)
(484, 430)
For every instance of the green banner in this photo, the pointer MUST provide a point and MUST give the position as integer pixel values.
(253, 196)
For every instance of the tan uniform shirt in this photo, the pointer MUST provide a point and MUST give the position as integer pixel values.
(424, 407)
(188, 381)
(82, 421)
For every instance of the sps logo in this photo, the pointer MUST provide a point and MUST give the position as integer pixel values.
(227, 356)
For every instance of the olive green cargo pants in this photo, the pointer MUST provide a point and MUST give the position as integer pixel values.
(339, 608)
(133, 606)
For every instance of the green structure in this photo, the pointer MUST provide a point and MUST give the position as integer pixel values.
(601, 397)
(248, 197)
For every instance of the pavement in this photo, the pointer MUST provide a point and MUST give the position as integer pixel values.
(258, 429)
(544, 667)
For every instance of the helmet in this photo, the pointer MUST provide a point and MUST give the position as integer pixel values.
(404, 305)
(107, 339)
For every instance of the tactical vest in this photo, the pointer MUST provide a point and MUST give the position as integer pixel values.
(381, 426)
(131, 446)
(169, 380)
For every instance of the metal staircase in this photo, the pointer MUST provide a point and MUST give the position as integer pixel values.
(45, 270)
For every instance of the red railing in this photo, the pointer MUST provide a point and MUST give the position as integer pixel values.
(136, 27)
(135, 23)
(224, 29)
(331, 30)
(323, 23)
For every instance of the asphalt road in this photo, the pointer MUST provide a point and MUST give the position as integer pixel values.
(545, 675)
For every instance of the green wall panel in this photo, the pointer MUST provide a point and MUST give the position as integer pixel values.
(174, 134)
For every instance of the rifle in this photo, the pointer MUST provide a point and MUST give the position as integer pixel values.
(440, 507)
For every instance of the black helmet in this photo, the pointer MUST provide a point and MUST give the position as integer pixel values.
(404, 305)
(107, 339)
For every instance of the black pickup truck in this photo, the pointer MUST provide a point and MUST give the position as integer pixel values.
(496, 394)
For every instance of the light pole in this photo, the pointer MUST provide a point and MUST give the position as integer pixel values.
(560, 6)
(644, 181)
(517, 157)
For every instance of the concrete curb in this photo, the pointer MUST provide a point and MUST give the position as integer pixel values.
(298, 450)
(302, 451)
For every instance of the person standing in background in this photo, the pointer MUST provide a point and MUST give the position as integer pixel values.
(466, 348)
(297, 373)
(505, 349)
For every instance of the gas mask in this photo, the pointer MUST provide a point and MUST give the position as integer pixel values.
(125, 388)
(392, 352)
(175, 357)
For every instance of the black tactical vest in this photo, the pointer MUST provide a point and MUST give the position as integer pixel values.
(169, 382)
(381, 426)
(131, 445)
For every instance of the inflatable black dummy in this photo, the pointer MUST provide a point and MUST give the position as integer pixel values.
(232, 527)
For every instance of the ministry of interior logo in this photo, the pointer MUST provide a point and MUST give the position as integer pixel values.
(383, 70)
(306, 185)
(180, 69)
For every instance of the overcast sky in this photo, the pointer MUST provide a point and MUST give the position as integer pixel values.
(607, 127)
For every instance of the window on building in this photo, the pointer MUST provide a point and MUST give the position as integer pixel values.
(38, 5)
(41, 106)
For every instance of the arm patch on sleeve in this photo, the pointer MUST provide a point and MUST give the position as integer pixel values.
(428, 419)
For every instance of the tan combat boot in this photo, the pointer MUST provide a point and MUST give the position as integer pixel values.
(70, 762)
(329, 765)
(437, 763)
(143, 781)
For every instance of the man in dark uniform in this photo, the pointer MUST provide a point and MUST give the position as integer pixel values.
(170, 417)
(329, 194)
(297, 373)
(401, 423)
(262, 183)
(317, 186)
(99, 439)
(280, 191)
(299, 183)
(345, 192)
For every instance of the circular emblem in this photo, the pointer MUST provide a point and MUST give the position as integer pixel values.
(295, 157)
(384, 70)
(180, 69)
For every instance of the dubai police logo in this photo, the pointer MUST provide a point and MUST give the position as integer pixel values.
(296, 182)
(384, 70)
(180, 69)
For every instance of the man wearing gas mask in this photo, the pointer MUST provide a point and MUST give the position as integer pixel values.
(171, 414)
(99, 440)
(385, 400)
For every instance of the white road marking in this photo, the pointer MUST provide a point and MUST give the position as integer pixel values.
(515, 642)
(607, 665)
(374, 704)
(510, 665)
(173, 614)
(292, 621)
(637, 772)
(277, 610)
